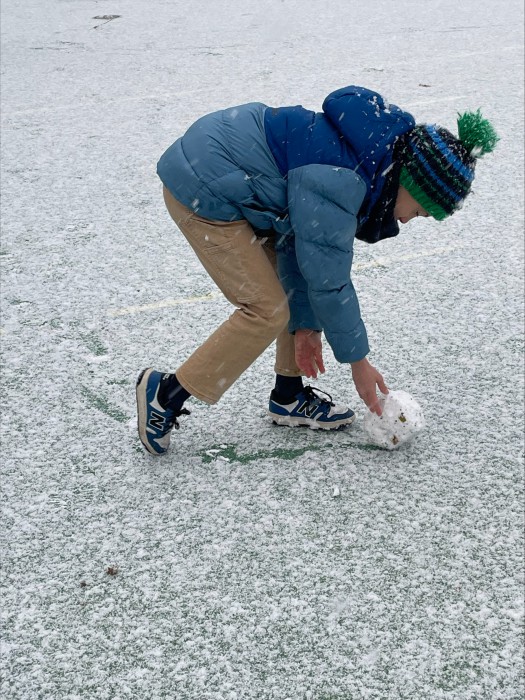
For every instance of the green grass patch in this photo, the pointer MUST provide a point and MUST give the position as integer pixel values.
(228, 453)
(94, 344)
(101, 404)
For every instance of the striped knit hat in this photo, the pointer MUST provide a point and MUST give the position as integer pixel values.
(438, 168)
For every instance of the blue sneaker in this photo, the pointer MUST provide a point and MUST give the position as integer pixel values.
(310, 409)
(155, 422)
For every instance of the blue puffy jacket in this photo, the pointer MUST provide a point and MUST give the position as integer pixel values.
(311, 177)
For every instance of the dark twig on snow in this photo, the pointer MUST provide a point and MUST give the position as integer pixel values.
(108, 18)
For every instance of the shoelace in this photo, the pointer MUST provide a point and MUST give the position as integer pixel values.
(174, 423)
(315, 398)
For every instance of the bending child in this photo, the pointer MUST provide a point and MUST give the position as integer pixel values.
(271, 201)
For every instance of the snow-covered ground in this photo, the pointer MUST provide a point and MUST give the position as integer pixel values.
(252, 562)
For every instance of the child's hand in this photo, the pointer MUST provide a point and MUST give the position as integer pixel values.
(309, 352)
(366, 378)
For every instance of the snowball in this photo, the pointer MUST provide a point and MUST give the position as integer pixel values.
(402, 419)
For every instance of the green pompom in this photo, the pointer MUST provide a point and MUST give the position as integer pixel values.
(476, 133)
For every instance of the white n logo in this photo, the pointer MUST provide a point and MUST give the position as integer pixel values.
(307, 409)
(156, 420)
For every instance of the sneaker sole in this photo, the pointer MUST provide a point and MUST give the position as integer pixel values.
(292, 422)
(142, 410)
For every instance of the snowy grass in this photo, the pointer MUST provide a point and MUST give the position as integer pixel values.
(251, 562)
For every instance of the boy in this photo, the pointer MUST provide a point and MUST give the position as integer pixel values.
(271, 201)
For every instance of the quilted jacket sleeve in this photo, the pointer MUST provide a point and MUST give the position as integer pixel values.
(301, 313)
(323, 203)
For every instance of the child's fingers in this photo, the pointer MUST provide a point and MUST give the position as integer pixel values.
(310, 372)
(309, 360)
(306, 366)
(313, 367)
(319, 360)
(372, 402)
(375, 407)
(382, 386)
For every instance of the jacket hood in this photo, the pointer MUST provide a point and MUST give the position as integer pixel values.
(369, 125)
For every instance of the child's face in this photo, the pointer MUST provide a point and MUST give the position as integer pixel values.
(406, 207)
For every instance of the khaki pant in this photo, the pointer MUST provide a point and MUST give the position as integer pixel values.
(244, 269)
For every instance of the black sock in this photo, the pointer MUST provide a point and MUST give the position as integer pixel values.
(171, 394)
(287, 388)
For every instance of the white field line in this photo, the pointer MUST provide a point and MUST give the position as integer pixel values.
(163, 304)
(378, 262)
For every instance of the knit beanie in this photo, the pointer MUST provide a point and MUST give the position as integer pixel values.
(438, 168)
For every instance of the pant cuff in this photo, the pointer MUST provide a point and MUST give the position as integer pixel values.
(195, 392)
